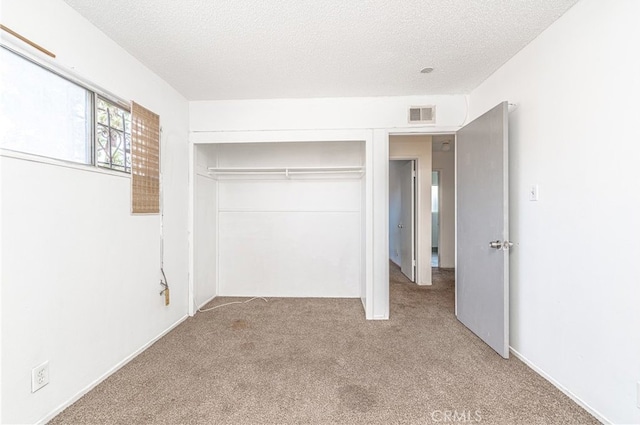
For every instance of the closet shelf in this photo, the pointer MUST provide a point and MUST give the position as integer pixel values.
(284, 171)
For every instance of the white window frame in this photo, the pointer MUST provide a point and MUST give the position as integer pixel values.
(94, 92)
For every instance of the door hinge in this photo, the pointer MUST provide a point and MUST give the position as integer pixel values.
(413, 263)
(413, 174)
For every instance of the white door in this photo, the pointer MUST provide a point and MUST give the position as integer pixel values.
(407, 215)
(482, 228)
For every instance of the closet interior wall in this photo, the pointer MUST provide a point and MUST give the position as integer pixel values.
(205, 222)
(279, 220)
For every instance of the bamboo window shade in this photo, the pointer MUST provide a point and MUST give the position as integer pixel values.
(145, 161)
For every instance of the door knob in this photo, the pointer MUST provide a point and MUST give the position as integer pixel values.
(400, 226)
(506, 245)
(495, 244)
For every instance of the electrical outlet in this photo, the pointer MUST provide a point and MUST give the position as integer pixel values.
(39, 376)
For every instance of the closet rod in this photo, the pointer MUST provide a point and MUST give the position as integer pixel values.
(284, 170)
(337, 168)
(281, 173)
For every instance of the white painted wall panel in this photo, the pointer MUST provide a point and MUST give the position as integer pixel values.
(205, 227)
(79, 282)
(326, 113)
(298, 254)
(298, 154)
(205, 243)
(294, 237)
(290, 195)
(364, 225)
(379, 296)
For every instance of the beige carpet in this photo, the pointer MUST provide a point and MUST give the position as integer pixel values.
(318, 361)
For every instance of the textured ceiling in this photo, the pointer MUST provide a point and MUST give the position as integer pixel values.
(250, 49)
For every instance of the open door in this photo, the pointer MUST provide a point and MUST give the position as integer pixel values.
(407, 213)
(482, 228)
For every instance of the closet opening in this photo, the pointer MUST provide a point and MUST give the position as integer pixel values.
(279, 219)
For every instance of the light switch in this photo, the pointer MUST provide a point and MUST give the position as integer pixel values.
(533, 192)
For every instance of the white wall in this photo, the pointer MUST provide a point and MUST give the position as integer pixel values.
(290, 237)
(378, 202)
(326, 113)
(395, 204)
(80, 275)
(205, 227)
(445, 163)
(574, 282)
(419, 148)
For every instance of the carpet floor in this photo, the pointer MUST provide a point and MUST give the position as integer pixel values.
(317, 361)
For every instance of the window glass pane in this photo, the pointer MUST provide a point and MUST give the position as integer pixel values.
(103, 149)
(42, 113)
(113, 136)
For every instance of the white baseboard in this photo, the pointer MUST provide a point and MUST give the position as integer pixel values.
(113, 370)
(562, 388)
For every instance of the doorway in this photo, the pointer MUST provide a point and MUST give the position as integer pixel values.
(435, 219)
(416, 148)
(443, 202)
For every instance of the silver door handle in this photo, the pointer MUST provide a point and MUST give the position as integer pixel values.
(400, 226)
(506, 245)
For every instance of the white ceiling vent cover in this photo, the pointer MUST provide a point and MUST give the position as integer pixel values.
(422, 114)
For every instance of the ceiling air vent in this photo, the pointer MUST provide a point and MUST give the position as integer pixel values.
(422, 115)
